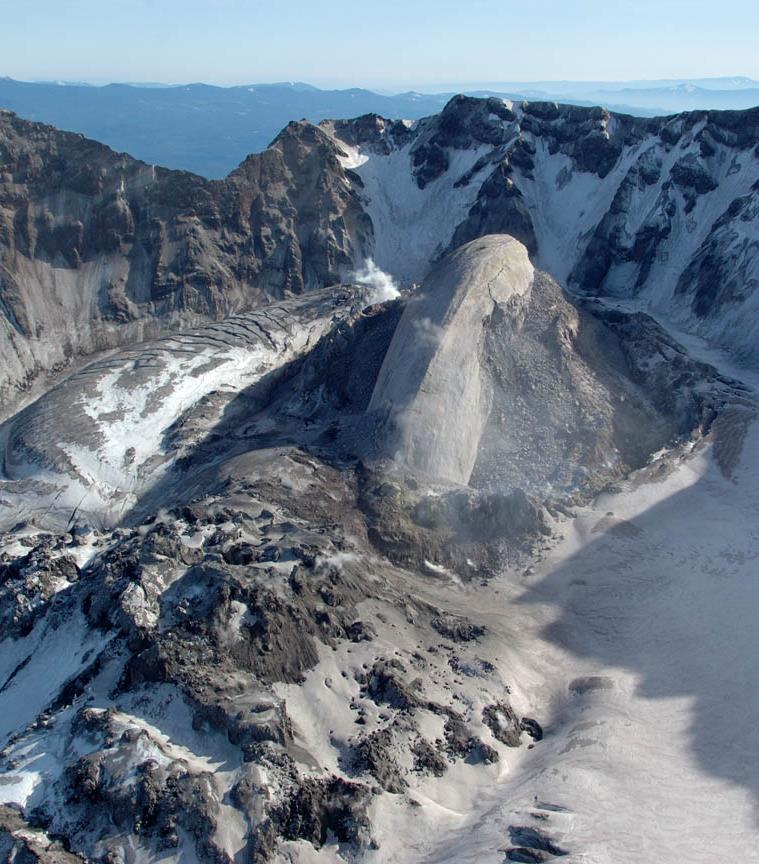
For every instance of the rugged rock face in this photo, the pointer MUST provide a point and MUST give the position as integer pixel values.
(582, 394)
(98, 249)
(20, 842)
(656, 209)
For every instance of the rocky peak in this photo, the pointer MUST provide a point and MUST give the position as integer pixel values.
(371, 131)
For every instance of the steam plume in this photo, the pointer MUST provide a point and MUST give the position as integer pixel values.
(381, 285)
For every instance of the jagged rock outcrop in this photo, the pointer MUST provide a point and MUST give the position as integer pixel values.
(19, 842)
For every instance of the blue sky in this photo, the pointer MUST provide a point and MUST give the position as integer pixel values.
(390, 44)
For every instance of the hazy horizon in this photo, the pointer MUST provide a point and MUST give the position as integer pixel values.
(391, 47)
(738, 81)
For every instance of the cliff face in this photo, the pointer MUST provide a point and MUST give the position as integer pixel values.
(663, 209)
(98, 249)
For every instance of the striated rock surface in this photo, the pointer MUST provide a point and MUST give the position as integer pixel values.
(430, 392)
(95, 444)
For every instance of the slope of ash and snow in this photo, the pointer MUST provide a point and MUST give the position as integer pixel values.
(293, 649)
(101, 439)
(640, 624)
(635, 635)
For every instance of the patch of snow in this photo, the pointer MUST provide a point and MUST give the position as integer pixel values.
(413, 226)
(353, 159)
(33, 669)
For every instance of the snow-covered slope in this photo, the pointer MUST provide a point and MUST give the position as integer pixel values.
(636, 636)
(291, 647)
(413, 226)
(637, 630)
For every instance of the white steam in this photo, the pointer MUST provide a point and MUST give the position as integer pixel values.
(381, 285)
(427, 333)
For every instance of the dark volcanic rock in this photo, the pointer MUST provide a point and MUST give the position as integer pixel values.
(532, 845)
(321, 809)
(373, 754)
(428, 760)
(500, 208)
(461, 743)
(720, 272)
(385, 685)
(456, 628)
(29, 583)
(503, 722)
(532, 728)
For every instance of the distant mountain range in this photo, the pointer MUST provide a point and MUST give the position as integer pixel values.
(590, 88)
(646, 98)
(209, 130)
(197, 127)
